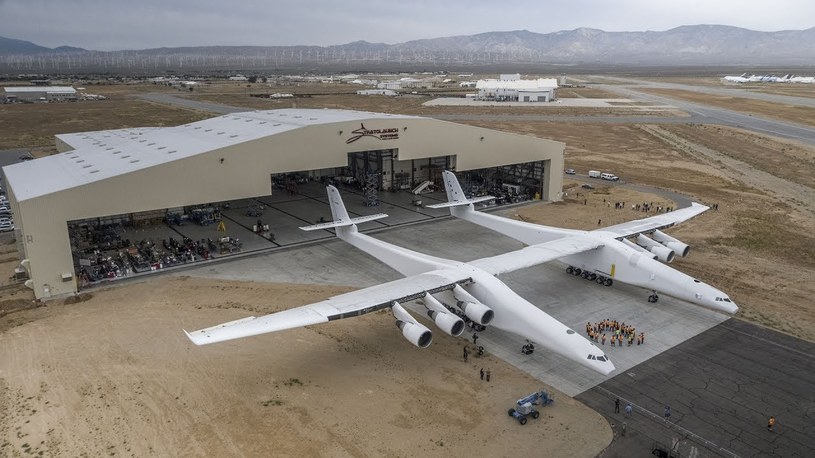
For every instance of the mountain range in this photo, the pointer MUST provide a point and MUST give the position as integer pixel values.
(695, 45)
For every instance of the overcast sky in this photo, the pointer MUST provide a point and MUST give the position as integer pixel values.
(138, 24)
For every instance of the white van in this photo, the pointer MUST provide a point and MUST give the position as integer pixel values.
(609, 177)
(594, 174)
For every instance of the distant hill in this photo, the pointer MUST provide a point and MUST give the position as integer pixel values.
(694, 45)
(10, 46)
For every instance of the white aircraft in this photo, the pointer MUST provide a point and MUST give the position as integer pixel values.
(612, 256)
(448, 289)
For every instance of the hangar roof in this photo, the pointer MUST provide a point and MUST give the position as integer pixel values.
(19, 89)
(104, 154)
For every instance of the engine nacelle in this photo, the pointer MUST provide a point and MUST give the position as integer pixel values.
(663, 253)
(414, 332)
(638, 248)
(474, 309)
(446, 321)
(681, 248)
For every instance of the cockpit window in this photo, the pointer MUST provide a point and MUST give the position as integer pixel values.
(601, 358)
(597, 358)
(723, 299)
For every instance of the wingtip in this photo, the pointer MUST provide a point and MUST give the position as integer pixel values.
(192, 339)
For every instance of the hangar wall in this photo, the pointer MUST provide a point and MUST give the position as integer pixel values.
(243, 170)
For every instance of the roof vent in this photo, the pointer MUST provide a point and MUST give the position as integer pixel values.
(125, 156)
(171, 151)
(80, 161)
(232, 136)
(207, 130)
(151, 143)
(108, 148)
(87, 166)
(117, 152)
(221, 133)
(162, 147)
(94, 171)
(134, 161)
(142, 140)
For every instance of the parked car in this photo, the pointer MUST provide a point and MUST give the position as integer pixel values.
(570, 172)
(587, 186)
(5, 227)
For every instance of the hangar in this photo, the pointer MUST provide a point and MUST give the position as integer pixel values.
(126, 176)
(40, 93)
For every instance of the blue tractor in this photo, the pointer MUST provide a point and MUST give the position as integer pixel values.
(525, 405)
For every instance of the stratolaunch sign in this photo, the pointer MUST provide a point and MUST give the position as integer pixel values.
(380, 134)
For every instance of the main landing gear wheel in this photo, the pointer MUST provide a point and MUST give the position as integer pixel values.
(608, 282)
(570, 270)
(653, 298)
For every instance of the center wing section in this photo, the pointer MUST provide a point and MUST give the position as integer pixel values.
(661, 221)
(346, 305)
(536, 254)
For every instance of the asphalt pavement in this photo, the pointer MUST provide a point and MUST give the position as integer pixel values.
(722, 386)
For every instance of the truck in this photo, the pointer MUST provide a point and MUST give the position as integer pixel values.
(594, 174)
(609, 177)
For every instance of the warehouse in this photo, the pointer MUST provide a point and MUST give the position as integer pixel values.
(39, 94)
(508, 89)
(88, 210)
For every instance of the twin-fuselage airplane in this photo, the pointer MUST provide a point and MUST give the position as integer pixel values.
(447, 289)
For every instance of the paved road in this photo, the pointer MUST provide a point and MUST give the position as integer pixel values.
(704, 114)
(722, 386)
(729, 91)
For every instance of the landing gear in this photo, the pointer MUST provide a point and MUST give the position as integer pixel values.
(653, 298)
(590, 276)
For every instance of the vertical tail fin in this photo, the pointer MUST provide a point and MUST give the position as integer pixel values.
(340, 214)
(455, 195)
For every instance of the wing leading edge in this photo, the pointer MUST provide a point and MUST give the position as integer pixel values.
(346, 305)
(536, 254)
(661, 221)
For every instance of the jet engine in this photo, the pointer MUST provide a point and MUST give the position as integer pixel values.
(414, 332)
(678, 246)
(663, 253)
(446, 321)
(474, 309)
(638, 248)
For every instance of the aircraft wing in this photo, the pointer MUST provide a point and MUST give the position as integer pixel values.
(660, 221)
(346, 305)
(536, 254)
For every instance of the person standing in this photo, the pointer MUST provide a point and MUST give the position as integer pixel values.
(771, 423)
(628, 410)
(617, 405)
(475, 338)
(488, 375)
(465, 353)
(482, 373)
(667, 412)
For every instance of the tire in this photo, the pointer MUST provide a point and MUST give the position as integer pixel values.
(522, 420)
(577, 271)
(600, 280)
(608, 282)
(536, 414)
(570, 270)
(592, 277)
(511, 412)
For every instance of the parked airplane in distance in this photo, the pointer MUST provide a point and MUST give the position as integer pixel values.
(613, 256)
(449, 290)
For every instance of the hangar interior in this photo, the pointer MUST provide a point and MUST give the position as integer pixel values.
(170, 221)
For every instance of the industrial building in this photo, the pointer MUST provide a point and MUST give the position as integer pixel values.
(70, 208)
(39, 93)
(511, 88)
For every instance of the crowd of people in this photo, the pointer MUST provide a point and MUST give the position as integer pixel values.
(614, 331)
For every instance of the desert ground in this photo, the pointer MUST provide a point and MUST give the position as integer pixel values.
(112, 374)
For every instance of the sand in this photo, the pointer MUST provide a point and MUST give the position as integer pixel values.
(115, 375)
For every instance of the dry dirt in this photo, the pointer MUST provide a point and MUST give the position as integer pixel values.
(114, 375)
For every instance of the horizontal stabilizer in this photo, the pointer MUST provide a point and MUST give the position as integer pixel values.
(343, 223)
(458, 203)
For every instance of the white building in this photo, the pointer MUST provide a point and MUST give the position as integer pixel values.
(40, 94)
(518, 90)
